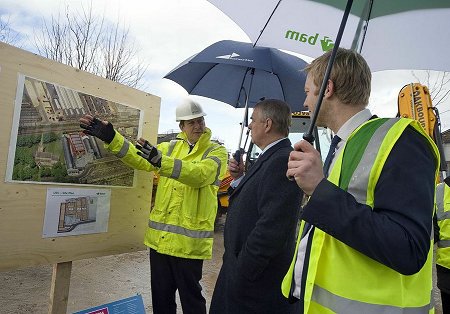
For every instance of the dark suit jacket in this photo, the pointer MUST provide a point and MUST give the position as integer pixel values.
(397, 231)
(259, 238)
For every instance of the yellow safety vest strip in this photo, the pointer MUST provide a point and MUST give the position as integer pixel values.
(343, 280)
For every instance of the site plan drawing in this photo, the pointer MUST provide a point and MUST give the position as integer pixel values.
(76, 211)
(47, 145)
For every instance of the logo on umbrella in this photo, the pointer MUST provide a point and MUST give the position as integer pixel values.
(234, 56)
(326, 43)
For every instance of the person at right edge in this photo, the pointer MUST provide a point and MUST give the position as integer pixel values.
(365, 239)
(442, 239)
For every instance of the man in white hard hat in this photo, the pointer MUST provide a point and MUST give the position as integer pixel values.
(181, 224)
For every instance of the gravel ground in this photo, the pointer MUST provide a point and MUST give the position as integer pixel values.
(95, 281)
(101, 280)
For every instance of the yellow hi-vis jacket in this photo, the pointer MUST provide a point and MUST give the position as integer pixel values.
(182, 221)
(443, 220)
(340, 279)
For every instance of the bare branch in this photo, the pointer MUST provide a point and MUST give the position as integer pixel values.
(89, 43)
(7, 33)
(438, 86)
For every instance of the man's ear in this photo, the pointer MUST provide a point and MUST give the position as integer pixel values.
(269, 124)
(329, 91)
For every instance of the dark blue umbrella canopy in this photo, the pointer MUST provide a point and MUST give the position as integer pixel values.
(228, 70)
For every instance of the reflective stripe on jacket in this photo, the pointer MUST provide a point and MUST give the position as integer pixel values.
(339, 279)
(443, 220)
(182, 221)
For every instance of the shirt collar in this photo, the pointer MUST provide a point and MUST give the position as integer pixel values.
(353, 123)
(272, 144)
(190, 144)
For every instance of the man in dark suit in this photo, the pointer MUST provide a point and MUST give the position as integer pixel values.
(259, 233)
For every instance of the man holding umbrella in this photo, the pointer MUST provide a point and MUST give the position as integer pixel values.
(365, 241)
(259, 235)
(181, 224)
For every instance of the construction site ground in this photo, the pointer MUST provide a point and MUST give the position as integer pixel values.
(103, 280)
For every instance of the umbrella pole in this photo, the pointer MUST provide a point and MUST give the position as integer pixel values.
(308, 136)
(242, 127)
(239, 151)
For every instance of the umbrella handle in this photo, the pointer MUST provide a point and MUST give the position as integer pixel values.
(240, 151)
(308, 136)
(238, 154)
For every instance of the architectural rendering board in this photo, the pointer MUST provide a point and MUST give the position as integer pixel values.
(48, 145)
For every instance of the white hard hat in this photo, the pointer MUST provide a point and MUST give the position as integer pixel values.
(188, 110)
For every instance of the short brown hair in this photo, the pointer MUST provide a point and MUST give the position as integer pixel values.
(278, 111)
(350, 74)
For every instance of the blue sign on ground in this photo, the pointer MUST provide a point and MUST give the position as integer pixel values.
(133, 305)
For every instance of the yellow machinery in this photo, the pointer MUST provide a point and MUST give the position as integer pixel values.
(414, 102)
(222, 194)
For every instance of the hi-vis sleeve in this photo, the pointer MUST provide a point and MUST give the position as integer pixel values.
(207, 169)
(127, 152)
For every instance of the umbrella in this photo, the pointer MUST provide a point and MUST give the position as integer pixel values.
(232, 71)
(240, 75)
(390, 34)
(401, 34)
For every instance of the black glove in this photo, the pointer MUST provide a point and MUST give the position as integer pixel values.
(96, 128)
(150, 153)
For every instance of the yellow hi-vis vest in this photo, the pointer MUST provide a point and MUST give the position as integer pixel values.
(181, 222)
(340, 279)
(443, 220)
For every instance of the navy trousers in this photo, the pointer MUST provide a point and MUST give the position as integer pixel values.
(169, 274)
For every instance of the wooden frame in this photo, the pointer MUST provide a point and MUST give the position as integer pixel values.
(22, 206)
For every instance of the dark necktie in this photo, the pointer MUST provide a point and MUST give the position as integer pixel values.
(326, 165)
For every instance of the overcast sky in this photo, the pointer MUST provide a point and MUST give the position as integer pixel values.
(170, 31)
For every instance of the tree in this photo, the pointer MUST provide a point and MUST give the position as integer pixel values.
(7, 33)
(49, 137)
(438, 85)
(91, 43)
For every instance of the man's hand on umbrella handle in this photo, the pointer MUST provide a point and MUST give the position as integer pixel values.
(236, 169)
(305, 166)
(100, 129)
(149, 152)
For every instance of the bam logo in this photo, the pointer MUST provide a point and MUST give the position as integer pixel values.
(326, 43)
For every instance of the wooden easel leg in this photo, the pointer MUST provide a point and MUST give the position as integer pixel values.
(59, 293)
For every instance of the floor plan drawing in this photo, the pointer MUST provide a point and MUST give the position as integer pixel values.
(76, 211)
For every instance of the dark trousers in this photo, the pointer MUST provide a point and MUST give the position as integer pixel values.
(170, 273)
(445, 297)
